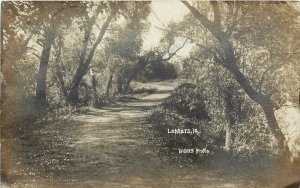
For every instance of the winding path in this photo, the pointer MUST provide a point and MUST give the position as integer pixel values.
(109, 152)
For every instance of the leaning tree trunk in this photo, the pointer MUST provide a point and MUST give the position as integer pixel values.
(229, 62)
(141, 64)
(80, 72)
(266, 104)
(41, 98)
(84, 64)
(285, 154)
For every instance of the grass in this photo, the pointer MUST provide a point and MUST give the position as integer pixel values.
(185, 109)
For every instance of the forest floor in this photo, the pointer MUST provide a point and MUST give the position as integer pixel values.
(104, 148)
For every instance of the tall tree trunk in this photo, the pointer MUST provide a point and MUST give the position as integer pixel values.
(228, 137)
(41, 98)
(94, 90)
(266, 104)
(83, 66)
(108, 85)
(61, 82)
(59, 75)
(94, 84)
(80, 72)
(120, 83)
(230, 113)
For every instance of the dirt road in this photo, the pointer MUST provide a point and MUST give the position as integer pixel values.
(105, 149)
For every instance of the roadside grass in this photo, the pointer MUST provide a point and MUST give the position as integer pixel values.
(252, 151)
(39, 147)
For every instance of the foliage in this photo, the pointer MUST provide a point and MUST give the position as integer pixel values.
(44, 150)
(157, 71)
(187, 100)
(249, 125)
(75, 28)
(102, 40)
(161, 120)
(253, 140)
(128, 39)
(186, 109)
(255, 74)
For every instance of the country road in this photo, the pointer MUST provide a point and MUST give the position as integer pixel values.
(104, 148)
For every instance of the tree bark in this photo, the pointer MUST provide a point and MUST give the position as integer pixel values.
(266, 104)
(230, 113)
(228, 138)
(94, 90)
(80, 72)
(268, 107)
(141, 64)
(59, 75)
(41, 98)
(108, 85)
(230, 63)
(83, 66)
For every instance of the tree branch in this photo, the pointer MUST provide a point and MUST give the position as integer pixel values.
(217, 16)
(234, 22)
(211, 26)
(182, 35)
(216, 32)
(229, 60)
(36, 55)
(296, 52)
(174, 53)
(273, 68)
(87, 33)
(100, 37)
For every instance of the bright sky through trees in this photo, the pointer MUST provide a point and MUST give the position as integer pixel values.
(162, 13)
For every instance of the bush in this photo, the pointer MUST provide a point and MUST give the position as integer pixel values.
(187, 100)
(157, 71)
(186, 108)
(251, 141)
(161, 120)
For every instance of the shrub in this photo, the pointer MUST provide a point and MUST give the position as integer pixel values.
(186, 108)
(187, 100)
(157, 71)
(161, 120)
(251, 141)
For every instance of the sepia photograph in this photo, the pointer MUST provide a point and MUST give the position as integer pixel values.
(150, 94)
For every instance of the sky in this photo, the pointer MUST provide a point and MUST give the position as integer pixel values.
(163, 12)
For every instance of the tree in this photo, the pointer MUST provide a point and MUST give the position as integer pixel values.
(226, 52)
(57, 13)
(43, 22)
(86, 56)
(127, 43)
(13, 48)
(49, 38)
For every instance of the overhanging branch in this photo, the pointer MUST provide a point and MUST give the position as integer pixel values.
(174, 53)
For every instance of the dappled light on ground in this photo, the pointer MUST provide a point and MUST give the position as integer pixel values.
(104, 148)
